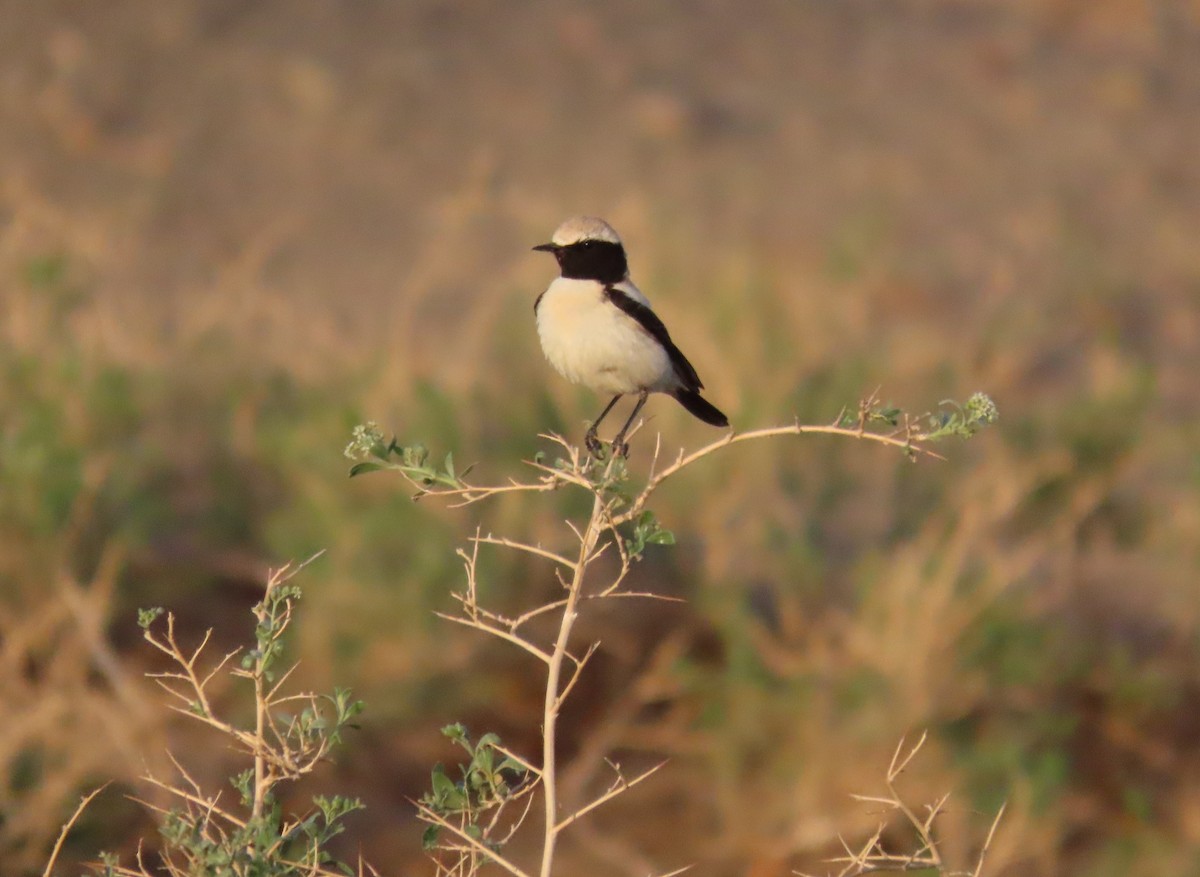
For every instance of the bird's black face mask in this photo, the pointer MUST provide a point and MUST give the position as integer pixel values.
(602, 261)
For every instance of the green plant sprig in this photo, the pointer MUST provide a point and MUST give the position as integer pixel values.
(291, 734)
(491, 778)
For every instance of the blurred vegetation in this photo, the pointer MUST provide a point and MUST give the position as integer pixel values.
(228, 235)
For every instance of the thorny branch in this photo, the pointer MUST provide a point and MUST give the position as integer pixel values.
(616, 508)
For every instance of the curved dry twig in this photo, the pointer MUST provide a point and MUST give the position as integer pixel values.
(909, 443)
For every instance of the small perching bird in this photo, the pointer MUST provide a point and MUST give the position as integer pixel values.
(597, 329)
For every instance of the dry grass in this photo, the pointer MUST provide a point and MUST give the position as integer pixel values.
(281, 221)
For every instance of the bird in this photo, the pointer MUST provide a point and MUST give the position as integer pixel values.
(598, 329)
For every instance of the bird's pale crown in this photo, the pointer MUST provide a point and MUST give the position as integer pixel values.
(582, 228)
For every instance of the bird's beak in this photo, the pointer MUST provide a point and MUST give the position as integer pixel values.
(546, 248)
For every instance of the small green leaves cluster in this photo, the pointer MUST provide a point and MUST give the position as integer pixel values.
(489, 780)
(274, 614)
(373, 453)
(146, 617)
(647, 531)
(345, 711)
(612, 482)
(951, 420)
(264, 845)
(311, 729)
(962, 421)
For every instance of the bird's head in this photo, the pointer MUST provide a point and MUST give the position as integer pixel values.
(588, 248)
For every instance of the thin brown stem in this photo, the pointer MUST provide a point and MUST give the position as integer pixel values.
(260, 723)
(499, 633)
(66, 829)
(621, 785)
(553, 700)
(907, 442)
(526, 547)
(987, 843)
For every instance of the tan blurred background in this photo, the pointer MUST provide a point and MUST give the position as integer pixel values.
(231, 230)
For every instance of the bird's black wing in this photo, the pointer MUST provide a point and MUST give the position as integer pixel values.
(649, 321)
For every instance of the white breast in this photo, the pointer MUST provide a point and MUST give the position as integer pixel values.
(590, 341)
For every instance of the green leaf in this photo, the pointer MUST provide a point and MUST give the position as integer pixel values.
(244, 783)
(889, 415)
(511, 764)
(430, 838)
(484, 756)
(363, 468)
(439, 778)
(446, 795)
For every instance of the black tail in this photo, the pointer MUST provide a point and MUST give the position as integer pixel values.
(700, 407)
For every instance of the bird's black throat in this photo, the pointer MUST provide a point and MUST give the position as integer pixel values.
(602, 261)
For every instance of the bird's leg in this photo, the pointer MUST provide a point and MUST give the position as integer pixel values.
(592, 443)
(620, 446)
(590, 440)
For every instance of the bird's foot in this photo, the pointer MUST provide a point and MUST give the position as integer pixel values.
(593, 443)
(620, 447)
